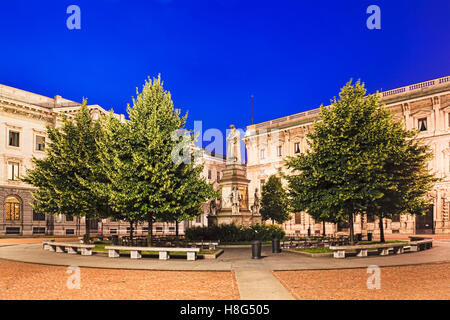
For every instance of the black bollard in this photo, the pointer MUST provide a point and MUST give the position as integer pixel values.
(256, 249)
(276, 248)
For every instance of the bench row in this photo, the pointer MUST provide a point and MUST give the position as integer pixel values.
(72, 248)
(114, 251)
(383, 249)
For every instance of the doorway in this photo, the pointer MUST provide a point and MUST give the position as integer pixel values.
(425, 223)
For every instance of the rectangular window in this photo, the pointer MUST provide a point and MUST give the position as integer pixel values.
(12, 230)
(218, 176)
(38, 230)
(422, 124)
(262, 154)
(14, 138)
(38, 216)
(13, 171)
(279, 151)
(70, 231)
(159, 229)
(113, 231)
(370, 218)
(40, 143)
(297, 147)
(171, 229)
(209, 174)
(69, 217)
(298, 218)
(198, 219)
(396, 218)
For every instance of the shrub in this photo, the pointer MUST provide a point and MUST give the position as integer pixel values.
(233, 233)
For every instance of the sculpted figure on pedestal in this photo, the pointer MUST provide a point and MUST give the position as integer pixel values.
(234, 146)
(235, 199)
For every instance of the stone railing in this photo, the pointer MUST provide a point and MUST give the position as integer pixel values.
(388, 93)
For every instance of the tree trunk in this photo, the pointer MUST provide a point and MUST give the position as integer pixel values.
(131, 233)
(86, 239)
(323, 226)
(380, 223)
(352, 235)
(176, 229)
(150, 231)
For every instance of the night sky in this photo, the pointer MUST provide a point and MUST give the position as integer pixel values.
(292, 55)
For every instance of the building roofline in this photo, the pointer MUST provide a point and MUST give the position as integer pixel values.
(387, 95)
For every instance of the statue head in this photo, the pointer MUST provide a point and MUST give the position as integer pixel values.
(232, 127)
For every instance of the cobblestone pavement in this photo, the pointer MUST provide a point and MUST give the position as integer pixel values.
(30, 281)
(420, 282)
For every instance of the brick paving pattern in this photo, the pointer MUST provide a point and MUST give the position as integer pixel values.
(29, 281)
(420, 282)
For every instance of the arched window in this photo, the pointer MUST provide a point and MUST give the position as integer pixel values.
(12, 208)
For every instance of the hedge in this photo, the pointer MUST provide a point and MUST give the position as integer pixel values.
(233, 233)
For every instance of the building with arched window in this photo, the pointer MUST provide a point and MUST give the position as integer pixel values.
(424, 106)
(23, 120)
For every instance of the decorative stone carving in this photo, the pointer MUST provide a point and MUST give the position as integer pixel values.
(235, 199)
(256, 203)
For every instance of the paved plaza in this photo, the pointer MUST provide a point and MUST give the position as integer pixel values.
(28, 272)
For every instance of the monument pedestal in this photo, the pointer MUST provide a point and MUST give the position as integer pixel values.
(234, 179)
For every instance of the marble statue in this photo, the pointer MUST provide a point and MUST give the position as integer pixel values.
(256, 203)
(234, 146)
(235, 199)
(212, 207)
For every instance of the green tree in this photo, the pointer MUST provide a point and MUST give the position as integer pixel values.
(359, 160)
(274, 201)
(117, 173)
(70, 154)
(157, 176)
(403, 178)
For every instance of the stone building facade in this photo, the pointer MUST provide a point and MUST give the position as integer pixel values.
(424, 106)
(23, 120)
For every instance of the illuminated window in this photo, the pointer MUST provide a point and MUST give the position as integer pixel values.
(12, 208)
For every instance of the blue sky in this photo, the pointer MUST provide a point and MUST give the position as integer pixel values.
(292, 55)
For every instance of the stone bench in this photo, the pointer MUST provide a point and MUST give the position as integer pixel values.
(420, 245)
(72, 248)
(135, 252)
(211, 244)
(362, 249)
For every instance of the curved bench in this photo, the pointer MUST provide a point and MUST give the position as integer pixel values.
(72, 248)
(362, 249)
(135, 252)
